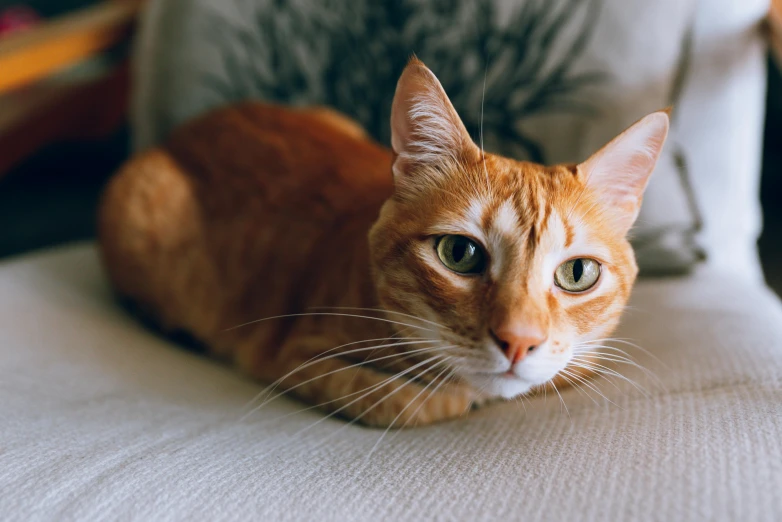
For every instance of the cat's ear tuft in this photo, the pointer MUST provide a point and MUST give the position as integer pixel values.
(427, 134)
(619, 172)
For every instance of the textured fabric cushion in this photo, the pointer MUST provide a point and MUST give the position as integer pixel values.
(720, 126)
(550, 81)
(102, 420)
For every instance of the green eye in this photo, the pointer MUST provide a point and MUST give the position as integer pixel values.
(577, 275)
(461, 254)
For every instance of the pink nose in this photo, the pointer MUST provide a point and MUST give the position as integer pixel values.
(518, 342)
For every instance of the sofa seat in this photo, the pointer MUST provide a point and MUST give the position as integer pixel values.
(103, 420)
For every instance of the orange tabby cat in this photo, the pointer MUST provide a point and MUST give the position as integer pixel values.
(394, 287)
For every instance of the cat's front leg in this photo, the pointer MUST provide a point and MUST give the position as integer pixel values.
(362, 393)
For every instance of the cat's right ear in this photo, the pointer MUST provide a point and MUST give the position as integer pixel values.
(427, 135)
(618, 173)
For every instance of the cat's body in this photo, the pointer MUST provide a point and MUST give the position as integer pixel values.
(255, 212)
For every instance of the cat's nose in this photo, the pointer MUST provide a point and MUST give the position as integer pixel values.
(518, 342)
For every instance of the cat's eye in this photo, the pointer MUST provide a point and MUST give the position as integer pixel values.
(577, 275)
(461, 254)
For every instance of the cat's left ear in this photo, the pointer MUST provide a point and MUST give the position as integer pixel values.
(619, 172)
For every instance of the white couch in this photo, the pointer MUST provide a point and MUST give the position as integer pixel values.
(103, 420)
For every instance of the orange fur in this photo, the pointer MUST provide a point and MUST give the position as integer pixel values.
(258, 211)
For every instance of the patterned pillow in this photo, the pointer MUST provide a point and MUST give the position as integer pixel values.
(543, 80)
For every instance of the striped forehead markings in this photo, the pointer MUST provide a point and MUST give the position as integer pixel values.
(569, 233)
(500, 224)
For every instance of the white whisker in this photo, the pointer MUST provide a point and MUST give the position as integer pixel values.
(391, 424)
(621, 359)
(592, 386)
(443, 381)
(577, 365)
(576, 385)
(603, 370)
(320, 357)
(390, 379)
(359, 309)
(362, 363)
(561, 400)
(395, 391)
(614, 358)
(333, 314)
(326, 403)
(626, 342)
(483, 151)
(271, 387)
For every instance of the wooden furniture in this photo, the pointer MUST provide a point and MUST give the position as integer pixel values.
(775, 30)
(39, 104)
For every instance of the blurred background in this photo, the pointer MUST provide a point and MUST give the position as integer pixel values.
(64, 134)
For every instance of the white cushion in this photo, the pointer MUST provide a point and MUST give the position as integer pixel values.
(104, 420)
(720, 126)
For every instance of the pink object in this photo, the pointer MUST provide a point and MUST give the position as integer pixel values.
(17, 18)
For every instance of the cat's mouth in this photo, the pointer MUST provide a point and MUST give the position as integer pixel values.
(504, 383)
(506, 375)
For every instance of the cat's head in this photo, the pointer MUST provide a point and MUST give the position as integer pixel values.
(518, 263)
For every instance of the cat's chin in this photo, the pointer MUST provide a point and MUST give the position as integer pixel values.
(500, 385)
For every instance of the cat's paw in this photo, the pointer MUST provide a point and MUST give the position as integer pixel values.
(368, 396)
(412, 405)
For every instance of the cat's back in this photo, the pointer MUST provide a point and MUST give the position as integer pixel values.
(314, 161)
(185, 228)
